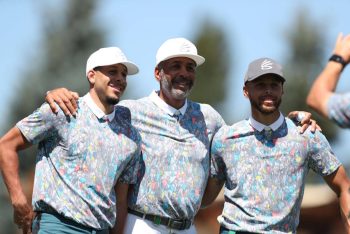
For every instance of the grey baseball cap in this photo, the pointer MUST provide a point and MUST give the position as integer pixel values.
(263, 66)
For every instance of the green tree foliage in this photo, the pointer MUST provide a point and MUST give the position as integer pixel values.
(212, 77)
(304, 62)
(68, 39)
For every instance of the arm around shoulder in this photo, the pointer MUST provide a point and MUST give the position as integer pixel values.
(64, 98)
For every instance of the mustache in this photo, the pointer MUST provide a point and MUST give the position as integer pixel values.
(268, 97)
(181, 79)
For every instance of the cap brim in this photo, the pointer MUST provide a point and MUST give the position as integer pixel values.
(257, 77)
(132, 68)
(199, 60)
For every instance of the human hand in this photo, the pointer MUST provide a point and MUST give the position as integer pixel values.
(304, 120)
(23, 216)
(65, 99)
(342, 47)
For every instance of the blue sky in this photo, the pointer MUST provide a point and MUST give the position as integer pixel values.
(254, 28)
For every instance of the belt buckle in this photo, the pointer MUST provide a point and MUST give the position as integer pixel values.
(176, 224)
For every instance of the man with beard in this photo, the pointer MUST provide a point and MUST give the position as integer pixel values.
(84, 165)
(176, 134)
(263, 162)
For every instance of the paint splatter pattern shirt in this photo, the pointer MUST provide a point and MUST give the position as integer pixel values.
(339, 109)
(175, 153)
(265, 173)
(79, 161)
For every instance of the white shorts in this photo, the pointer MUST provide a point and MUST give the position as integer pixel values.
(138, 225)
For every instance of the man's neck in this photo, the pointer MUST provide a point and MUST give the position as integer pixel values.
(106, 108)
(266, 119)
(176, 103)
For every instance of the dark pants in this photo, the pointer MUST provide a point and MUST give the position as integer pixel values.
(47, 223)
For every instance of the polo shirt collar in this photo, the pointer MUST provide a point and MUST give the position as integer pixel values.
(166, 107)
(96, 110)
(259, 126)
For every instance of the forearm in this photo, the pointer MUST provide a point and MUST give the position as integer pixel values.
(9, 165)
(340, 184)
(324, 87)
(10, 144)
(121, 191)
(344, 201)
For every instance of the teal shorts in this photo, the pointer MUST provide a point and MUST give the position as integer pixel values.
(47, 223)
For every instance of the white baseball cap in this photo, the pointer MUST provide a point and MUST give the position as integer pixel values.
(109, 56)
(178, 47)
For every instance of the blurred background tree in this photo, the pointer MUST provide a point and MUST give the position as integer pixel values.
(304, 62)
(70, 37)
(212, 78)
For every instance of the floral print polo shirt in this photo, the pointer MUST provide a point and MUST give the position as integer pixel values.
(264, 173)
(175, 156)
(80, 160)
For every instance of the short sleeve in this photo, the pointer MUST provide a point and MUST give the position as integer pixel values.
(217, 167)
(338, 108)
(321, 157)
(37, 126)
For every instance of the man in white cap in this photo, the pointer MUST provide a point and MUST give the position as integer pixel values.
(176, 134)
(263, 161)
(84, 164)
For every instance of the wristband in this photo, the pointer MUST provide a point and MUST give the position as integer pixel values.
(338, 59)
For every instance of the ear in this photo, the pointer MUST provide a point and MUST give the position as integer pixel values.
(245, 92)
(91, 77)
(157, 72)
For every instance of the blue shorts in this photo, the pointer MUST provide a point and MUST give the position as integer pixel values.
(46, 223)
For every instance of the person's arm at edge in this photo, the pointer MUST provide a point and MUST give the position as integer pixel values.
(326, 82)
(212, 190)
(12, 142)
(65, 99)
(340, 184)
(121, 191)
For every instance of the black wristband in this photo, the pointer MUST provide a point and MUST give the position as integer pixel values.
(338, 59)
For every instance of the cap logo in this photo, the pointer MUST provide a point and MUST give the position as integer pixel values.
(185, 47)
(266, 65)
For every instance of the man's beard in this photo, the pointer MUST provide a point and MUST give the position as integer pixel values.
(112, 101)
(168, 87)
(264, 110)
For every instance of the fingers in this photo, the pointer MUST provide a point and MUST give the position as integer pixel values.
(51, 102)
(24, 221)
(26, 228)
(65, 99)
(313, 125)
(305, 121)
(75, 97)
(304, 117)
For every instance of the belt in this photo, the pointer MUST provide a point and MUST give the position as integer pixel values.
(178, 224)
